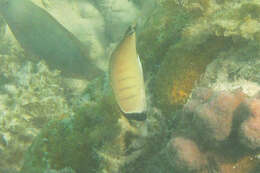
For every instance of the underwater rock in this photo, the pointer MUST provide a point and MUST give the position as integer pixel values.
(246, 164)
(78, 86)
(97, 139)
(250, 128)
(178, 59)
(8, 170)
(40, 34)
(221, 114)
(228, 121)
(185, 155)
(64, 170)
(185, 40)
(232, 72)
(30, 95)
(213, 112)
(118, 15)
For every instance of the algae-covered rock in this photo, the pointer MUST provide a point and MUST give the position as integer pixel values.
(30, 96)
(162, 48)
(94, 140)
(183, 37)
(74, 141)
(64, 170)
(234, 70)
(98, 138)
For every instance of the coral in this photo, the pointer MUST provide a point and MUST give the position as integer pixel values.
(182, 87)
(182, 69)
(213, 112)
(31, 95)
(245, 164)
(220, 116)
(250, 129)
(185, 155)
(228, 121)
(64, 170)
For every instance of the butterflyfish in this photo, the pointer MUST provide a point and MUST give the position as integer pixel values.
(43, 36)
(126, 77)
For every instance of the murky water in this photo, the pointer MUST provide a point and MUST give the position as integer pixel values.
(129, 86)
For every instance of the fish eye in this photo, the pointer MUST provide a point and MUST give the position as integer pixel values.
(130, 30)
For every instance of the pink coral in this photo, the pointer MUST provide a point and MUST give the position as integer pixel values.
(214, 109)
(186, 154)
(250, 128)
(228, 121)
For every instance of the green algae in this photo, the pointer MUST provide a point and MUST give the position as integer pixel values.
(247, 9)
(162, 30)
(183, 66)
(74, 141)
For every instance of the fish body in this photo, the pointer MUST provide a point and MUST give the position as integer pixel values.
(126, 78)
(40, 34)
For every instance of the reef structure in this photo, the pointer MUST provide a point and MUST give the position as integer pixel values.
(204, 61)
(225, 134)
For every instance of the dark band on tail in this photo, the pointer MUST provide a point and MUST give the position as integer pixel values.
(136, 116)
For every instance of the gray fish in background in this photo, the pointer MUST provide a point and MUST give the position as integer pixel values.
(40, 34)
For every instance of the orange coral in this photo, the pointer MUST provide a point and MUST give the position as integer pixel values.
(182, 88)
(244, 165)
(62, 116)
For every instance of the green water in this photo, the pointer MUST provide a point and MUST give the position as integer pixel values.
(59, 109)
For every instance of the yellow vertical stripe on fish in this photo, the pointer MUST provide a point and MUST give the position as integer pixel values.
(126, 76)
